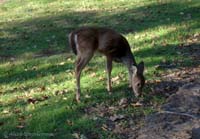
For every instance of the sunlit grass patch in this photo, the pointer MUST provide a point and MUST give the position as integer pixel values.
(37, 79)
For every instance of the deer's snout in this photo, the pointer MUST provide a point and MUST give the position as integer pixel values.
(137, 91)
(137, 85)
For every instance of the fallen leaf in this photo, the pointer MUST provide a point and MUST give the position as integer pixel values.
(94, 118)
(137, 104)
(61, 63)
(64, 98)
(61, 92)
(197, 35)
(5, 112)
(34, 68)
(17, 111)
(21, 118)
(157, 81)
(123, 101)
(76, 135)
(32, 91)
(83, 136)
(87, 96)
(101, 78)
(116, 117)
(44, 98)
(20, 126)
(93, 74)
(111, 108)
(104, 127)
(69, 59)
(70, 123)
(43, 88)
(116, 80)
(118, 129)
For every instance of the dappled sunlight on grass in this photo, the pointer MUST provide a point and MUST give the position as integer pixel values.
(37, 83)
(41, 27)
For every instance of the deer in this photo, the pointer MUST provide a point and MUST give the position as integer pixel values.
(85, 41)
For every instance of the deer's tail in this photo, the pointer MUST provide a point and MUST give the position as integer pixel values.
(72, 42)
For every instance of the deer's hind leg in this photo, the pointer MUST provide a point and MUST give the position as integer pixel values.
(109, 69)
(81, 61)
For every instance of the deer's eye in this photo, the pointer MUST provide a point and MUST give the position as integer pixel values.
(138, 84)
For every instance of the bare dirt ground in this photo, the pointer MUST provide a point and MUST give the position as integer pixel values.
(178, 118)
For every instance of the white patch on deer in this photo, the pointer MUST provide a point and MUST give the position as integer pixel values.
(76, 41)
(69, 36)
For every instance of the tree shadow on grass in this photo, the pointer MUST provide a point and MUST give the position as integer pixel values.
(47, 35)
(34, 72)
(62, 118)
(50, 33)
(65, 118)
(157, 54)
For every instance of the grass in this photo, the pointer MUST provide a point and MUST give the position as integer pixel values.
(37, 68)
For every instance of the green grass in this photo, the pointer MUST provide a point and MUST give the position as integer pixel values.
(36, 62)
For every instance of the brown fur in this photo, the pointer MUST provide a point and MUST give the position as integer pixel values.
(85, 41)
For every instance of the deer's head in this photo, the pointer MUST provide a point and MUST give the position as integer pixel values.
(138, 79)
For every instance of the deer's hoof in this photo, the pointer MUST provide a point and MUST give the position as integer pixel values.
(110, 92)
(109, 89)
(78, 98)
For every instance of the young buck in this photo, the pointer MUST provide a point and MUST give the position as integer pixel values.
(87, 40)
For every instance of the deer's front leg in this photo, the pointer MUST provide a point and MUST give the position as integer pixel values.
(109, 69)
(130, 77)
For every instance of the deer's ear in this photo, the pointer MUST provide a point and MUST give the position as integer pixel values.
(140, 67)
(134, 69)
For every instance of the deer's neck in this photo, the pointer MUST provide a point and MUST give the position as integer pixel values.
(131, 59)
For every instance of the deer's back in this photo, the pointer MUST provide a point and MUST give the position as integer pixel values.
(105, 40)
